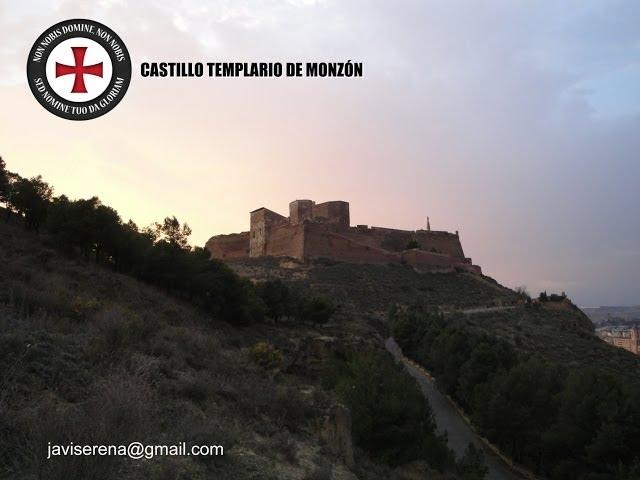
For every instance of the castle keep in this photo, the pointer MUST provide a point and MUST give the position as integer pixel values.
(323, 230)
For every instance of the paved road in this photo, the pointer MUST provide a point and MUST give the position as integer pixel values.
(448, 419)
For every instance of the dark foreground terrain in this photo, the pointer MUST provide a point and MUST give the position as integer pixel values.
(92, 356)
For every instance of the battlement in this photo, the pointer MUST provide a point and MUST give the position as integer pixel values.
(335, 212)
(324, 231)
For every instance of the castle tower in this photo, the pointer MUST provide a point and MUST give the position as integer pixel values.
(334, 212)
(428, 225)
(300, 210)
(261, 222)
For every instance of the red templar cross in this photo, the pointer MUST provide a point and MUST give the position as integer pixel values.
(79, 69)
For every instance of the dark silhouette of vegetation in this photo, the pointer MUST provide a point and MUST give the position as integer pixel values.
(315, 310)
(553, 297)
(30, 199)
(266, 355)
(281, 301)
(159, 254)
(4, 182)
(391, 420)
(412, 244)
(93, 357)
(394, 241)
(471, 466)
(278, 299)
(560, 422)
(172, 232)
(523, 294)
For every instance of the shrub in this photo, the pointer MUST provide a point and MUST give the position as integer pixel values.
(316, 310)
(195, 389)
(412, 244)
(84, 305)
(30, 301)
(119, 328)
(283, 444)
(289, 408)
(322, 471)
(278, 299)
(266, 355)
(119, 411)
(523, 294)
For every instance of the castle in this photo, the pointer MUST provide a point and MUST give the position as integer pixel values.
(323, 231)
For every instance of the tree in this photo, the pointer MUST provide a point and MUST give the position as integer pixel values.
(449, 351)
(391, 419)
(315, 310)
(557, 420)
(71, 223)
(4, 182)
(31, 198)
(487, 358)
(517, 407)
(277, 298)
(172, 232)
(107, 228)
(523, 294)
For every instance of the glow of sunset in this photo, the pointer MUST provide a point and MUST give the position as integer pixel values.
(515, 123)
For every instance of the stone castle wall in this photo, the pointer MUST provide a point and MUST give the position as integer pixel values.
(397, 240)
(323, 231)
(333, 212)
(437, 262)
(440, 242)
(287, 241)
(323, 243)
(300, 210)
(229, 247)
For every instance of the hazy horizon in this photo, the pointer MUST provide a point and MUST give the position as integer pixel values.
(515, 123)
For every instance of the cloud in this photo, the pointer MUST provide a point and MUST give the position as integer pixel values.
(513, 122)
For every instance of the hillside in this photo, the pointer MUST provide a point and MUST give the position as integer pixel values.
(560, 335)
(556, 331)
(369, 290)
(88, 355)
(93, 356)
(531, 375)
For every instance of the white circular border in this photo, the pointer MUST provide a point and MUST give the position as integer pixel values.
(63, 85)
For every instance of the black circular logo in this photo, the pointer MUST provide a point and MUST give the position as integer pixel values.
(79, 69)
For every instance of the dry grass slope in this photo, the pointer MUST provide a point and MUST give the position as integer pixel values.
(89, 356)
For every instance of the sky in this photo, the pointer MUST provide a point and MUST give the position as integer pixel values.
(516, 123)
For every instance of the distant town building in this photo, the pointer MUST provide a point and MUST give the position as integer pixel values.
(629, 339)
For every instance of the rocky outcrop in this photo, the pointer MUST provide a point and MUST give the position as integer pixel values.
(335, 430)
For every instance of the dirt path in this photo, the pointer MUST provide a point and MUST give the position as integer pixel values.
(471, 311)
